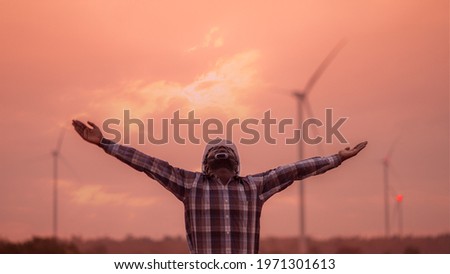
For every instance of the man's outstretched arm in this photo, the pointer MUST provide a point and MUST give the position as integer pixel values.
(281, 177)
(174, 179)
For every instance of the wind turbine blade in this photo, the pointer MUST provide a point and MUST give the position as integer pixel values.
(392, 191)
(70, 167)
(323, 66)
(308, 108)
(393, 171)
(310, 114)
(60, 140)
(395, 175)
(391, 148)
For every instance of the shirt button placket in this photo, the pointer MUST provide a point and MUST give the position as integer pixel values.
(227, 222)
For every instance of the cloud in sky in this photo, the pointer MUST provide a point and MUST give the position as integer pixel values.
(212, 39)
(218, 90)
(97, 195)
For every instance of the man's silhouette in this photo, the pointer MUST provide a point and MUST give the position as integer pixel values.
(222, 209)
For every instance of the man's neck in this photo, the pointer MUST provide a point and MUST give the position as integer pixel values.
(224, 175)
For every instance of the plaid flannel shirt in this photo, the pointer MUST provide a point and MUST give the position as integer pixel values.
(221, 218)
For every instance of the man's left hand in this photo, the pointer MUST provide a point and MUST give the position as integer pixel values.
(349, 153)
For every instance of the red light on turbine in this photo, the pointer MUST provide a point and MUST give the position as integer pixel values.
(399, 198)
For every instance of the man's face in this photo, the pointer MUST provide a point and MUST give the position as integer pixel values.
(229, 162)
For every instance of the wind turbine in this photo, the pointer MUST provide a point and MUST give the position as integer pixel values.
(56, 154)
(386, 162)
(303, 103)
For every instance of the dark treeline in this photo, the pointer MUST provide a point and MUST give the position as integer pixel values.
(178, 245)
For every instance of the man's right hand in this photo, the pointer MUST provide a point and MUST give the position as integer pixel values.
(92, 135)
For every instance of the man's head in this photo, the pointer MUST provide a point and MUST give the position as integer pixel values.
(220, 154)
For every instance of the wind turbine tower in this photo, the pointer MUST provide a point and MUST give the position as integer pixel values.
(303, 104)
(56, 154)
(386, 162)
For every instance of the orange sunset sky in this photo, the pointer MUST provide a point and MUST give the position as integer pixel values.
(90, 60)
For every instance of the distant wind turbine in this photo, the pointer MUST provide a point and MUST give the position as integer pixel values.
(56, 154)
(386, 162)
(303, 104)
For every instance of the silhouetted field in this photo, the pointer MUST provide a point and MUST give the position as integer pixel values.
(177, 245)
